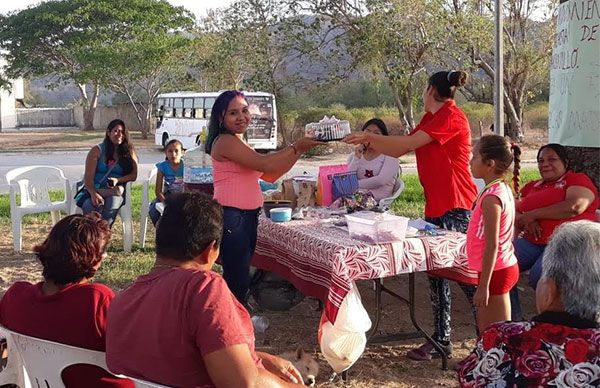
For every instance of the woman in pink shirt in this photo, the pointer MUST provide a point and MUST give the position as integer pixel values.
(236, 170)
(491, 228)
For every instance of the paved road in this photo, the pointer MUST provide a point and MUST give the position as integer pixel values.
(72, 163)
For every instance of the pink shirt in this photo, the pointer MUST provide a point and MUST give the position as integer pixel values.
(476, 232)
(236, 186)
(161, 327)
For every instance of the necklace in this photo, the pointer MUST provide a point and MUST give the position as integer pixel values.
(484, 190)
(156, 266)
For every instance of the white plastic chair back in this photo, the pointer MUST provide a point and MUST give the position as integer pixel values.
(146, 206)
(126, 215)
(13, 371)
(385, 203)
(44, 361)
(146, 384)
(32, 184)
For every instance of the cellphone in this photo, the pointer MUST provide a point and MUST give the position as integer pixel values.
(110, 182)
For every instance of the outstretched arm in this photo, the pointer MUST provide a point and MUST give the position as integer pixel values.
(394, 146)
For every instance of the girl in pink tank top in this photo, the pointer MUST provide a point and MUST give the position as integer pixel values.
(490, 232)
(236, 170)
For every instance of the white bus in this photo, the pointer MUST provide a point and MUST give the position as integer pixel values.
(184, 116)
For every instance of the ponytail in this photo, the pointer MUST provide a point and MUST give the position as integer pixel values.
(516, 150)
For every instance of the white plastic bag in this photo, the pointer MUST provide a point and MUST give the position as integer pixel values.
(343, 342)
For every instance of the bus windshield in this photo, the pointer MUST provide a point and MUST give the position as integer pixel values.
(261, 108)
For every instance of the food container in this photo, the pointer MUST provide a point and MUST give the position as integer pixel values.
(281, 214)
(328, 129)
(376, 228)
(276, 203)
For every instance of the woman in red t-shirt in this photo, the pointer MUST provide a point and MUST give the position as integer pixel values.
(66, 307)
(560, 196)
(442, 145)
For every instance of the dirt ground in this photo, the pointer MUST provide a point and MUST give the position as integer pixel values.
(382, 365)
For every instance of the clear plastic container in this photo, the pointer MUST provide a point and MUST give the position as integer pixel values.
(260, 323)
(376, 228)
(328, 129)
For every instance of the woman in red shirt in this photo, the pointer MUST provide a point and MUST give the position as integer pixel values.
(66, 307)
(560, 196)
(442, 145)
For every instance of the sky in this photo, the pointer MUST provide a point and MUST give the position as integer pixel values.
(198, 7)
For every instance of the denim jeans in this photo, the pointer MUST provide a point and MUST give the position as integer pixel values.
(153, 213)
(529, 256)
(109, 210)
(239, 241)
(439, 289)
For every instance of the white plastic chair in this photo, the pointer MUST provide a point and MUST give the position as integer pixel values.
(12, 373)
(44, 361)
(33, 186)
(385, 203)
(126, 215)
(146, 206)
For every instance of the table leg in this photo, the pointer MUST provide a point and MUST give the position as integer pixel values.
(420, 333)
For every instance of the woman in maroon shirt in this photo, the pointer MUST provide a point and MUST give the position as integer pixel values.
(66, 307)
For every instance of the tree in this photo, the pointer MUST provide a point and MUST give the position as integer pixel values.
(75, 40)
(249, 45)
(527, 52)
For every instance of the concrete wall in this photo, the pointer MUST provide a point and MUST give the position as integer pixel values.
(45, 117)
(105, 114)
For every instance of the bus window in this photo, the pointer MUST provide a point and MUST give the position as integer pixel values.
(168, 107)
(198, 102)
(178, 107)
(187, 107)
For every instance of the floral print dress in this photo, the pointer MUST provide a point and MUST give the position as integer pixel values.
(555, 349)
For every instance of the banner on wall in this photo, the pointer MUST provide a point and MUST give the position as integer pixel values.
(574, 109)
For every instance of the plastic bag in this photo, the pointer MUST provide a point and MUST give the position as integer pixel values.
(343, 342)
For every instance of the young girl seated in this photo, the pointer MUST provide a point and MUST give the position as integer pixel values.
(170, 171)
(490, 233)
(376, 172)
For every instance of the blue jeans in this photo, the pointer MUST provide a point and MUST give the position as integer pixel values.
(239, 241)
(153, 213)
(109, 210)
(529, 256)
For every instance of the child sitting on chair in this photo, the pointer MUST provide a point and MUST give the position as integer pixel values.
(170, 171)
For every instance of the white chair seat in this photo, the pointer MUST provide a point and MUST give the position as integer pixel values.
(386, 203)
(32, 183)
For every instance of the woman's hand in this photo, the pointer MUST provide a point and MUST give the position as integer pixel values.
(363, 137)
(533, 228)
(524, 219)
(161, 197)
(282, 368)
(306, 143)
(481, 297)
(97, 199)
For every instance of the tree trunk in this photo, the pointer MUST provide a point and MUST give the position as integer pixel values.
(586, 160)
(400, 106)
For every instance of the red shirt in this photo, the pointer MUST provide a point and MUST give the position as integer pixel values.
(443, 164)
(160, 327)
(75, 315)
(539, 194)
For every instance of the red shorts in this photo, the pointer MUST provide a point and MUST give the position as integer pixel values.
(503, 280)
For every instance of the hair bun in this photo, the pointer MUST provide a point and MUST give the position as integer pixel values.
(457, 78)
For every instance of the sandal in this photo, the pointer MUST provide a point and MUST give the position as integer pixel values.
(427, 351)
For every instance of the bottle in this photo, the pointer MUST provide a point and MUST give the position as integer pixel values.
(197, 176)
(260, 323)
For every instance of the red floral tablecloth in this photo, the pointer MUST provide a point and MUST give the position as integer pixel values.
(322, 261)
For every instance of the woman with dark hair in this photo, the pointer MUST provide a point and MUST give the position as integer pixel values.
(560, 196)
(66, 307)
(236, 171)
(376, 172)
(442, 145)
(108, 167)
